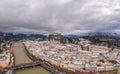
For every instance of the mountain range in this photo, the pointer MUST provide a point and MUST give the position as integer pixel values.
(109, 34)
(20, 35)
(70, 35)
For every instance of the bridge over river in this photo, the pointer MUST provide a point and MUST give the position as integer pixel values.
(27, 65)
(22, 62)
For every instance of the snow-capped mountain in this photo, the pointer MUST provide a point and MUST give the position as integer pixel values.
(20, 35)
(110, 34)
(69, 35)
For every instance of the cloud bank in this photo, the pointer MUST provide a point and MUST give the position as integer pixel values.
(46, 16)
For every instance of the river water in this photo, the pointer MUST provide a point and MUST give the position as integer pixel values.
(21, 58)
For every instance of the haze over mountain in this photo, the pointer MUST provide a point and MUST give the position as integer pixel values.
(70, 35)
(65, 16)
(79, 34)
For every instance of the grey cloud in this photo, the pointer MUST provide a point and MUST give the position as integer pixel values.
(64, 16)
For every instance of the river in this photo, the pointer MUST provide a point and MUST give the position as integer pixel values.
(21, 58)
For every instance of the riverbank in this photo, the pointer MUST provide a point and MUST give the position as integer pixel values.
(44, 64)
(62, 58)
(7, 59)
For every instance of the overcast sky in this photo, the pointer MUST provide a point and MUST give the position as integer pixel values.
(46, 16)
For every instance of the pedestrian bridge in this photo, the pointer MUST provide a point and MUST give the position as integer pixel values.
(36, 63)
(26, 65)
